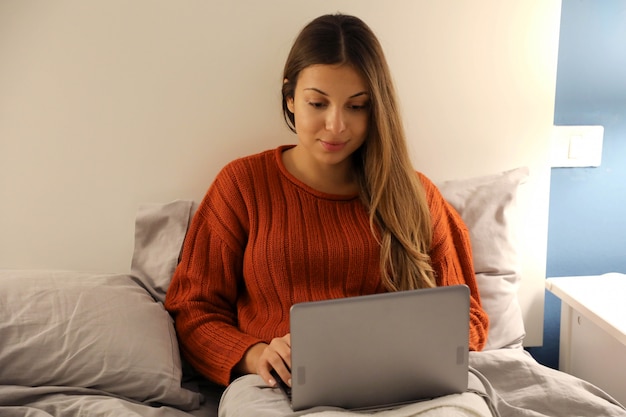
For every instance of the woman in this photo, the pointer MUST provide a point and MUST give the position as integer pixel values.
(340, 214)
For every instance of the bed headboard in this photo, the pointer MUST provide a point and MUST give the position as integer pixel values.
(106, 105)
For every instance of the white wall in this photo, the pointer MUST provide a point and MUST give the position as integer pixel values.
(107, 104)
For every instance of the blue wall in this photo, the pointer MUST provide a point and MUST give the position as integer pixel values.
(587, 223)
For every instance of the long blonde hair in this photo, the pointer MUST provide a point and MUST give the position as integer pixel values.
(398, 210)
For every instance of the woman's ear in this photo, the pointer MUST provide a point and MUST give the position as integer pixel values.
(289, 99)
(290, 105)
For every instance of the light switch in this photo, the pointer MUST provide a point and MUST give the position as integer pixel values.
(577, 146)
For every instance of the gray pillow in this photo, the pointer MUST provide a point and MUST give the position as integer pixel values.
(487, 205)
(92, 331)
(159, 234)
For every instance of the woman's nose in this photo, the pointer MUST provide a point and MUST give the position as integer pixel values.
(335, 121)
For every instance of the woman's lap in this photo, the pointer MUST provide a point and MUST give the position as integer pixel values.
(250, 396)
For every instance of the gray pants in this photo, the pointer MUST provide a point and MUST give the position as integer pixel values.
(249, 396)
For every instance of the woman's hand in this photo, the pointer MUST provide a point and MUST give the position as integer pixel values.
(263, 358)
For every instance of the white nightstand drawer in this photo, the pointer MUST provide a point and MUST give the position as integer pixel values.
(593, 323)
(590, 353)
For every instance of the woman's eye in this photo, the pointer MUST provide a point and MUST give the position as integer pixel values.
(317, 104)
(358, 107)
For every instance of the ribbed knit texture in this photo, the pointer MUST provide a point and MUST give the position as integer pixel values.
(261, 241)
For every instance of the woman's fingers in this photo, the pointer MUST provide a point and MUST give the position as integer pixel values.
(282, 346)
(277, 357)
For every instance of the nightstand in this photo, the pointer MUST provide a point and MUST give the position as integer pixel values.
(593, 329)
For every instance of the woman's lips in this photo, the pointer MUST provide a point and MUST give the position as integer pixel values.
(333, 146)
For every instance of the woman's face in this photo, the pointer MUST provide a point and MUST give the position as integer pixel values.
(331, 106)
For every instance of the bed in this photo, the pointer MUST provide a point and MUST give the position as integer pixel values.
(77, 343)
(107, 105)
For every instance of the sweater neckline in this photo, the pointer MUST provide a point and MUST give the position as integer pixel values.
(295, 181)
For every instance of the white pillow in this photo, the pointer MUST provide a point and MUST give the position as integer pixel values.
(91, 331)
(487, 204)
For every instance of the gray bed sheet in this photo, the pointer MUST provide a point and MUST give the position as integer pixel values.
(518, 386)
(18, 401)
(515, 385)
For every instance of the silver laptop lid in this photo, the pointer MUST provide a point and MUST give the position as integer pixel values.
(379, 350)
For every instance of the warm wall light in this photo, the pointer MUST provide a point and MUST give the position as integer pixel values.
(576, 146)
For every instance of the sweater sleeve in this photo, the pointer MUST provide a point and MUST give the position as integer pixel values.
(203, 293)
(451, 257)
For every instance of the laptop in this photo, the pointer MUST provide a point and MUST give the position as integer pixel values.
(378, 351)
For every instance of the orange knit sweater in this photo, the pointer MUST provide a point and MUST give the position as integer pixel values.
(261, 241)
